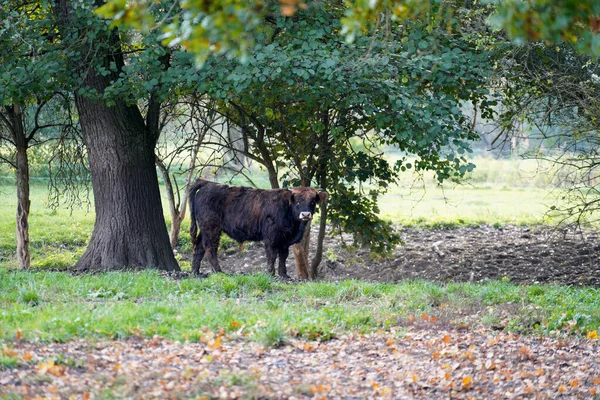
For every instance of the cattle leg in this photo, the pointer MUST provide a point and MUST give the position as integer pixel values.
(271, 256)
(212, 246)
(197, 257)
(283, 255)
(212, 258)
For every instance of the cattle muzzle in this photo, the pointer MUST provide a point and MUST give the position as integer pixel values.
(305, 216)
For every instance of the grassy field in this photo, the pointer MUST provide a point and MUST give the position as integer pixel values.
(499, 192)
(54, 306)
(466, 205)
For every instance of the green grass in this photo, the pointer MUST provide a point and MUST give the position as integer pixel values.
(57, 237)
(56, 306)
(500, 192)
(8, 362)
(465, 206)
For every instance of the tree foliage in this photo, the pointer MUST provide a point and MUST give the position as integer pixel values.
(552, 103)
(311, 106)
(574, 22)
(315, 109)
(549, 81)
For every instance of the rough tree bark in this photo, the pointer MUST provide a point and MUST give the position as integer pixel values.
(22, 174)
(130, 229)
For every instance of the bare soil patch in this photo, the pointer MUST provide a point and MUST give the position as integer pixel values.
(417, 362)
(477, 254)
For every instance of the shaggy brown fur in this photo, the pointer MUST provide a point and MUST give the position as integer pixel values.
(278, 217)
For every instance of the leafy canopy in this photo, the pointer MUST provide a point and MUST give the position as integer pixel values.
(574, 22)
(329, 108)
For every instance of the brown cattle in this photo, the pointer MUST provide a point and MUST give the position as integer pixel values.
(277, 217)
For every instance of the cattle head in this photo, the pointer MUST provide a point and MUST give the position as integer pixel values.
(304, 201)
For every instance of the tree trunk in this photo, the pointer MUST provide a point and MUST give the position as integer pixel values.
(130, 229)
(178, 210)
(173, 208)
(23, 205)
(301, 255)
(23, 201)
(322, 166)
(175, 229)
(316, 261)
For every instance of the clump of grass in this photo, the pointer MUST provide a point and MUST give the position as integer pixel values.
(351, 292)
(272, 336)
(7, 362)
(30, 297)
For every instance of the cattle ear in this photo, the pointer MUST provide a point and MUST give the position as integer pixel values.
(290, 196)
(322, 196)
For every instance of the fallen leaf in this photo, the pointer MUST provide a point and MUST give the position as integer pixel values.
(51, 368)
(592, 335)
(319, 388)
(8, 352)
(287, 10)
(385, 391)
(574, 383)
(562, 389)
(466, 381)
(525, 353)
(216, 343)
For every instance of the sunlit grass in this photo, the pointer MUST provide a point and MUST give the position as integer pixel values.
(465, 205)
(55, 306)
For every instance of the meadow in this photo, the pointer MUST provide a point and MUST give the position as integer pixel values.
(57, 306)
(498, 192)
